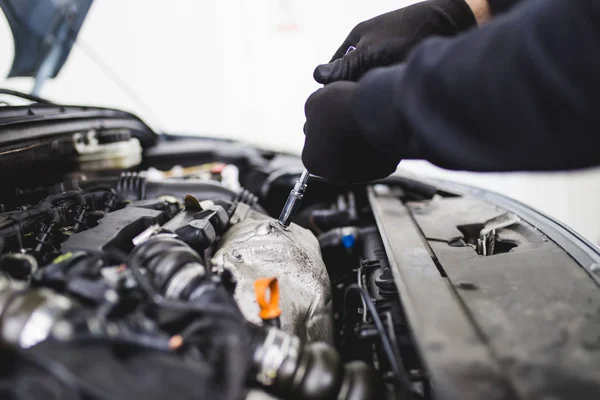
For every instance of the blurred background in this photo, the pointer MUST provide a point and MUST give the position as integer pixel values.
(242, 70)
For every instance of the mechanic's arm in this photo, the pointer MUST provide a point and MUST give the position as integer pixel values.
(388, 38)
(496, 6)
(520, 93)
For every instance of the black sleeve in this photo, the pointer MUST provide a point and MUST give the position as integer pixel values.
(500, 6)
(520, 93)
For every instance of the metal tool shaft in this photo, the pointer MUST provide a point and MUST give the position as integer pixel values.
(293, 201)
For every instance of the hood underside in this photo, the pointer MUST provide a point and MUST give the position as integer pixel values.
(44, 33)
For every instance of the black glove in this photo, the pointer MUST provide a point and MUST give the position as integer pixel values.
(387, 39)
(334, 147)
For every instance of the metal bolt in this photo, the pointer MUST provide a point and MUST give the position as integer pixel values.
(236, 254)
(595, 268)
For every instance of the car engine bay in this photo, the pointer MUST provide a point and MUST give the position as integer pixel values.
(133, 267)
(160, 264)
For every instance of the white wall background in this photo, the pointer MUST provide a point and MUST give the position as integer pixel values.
(243, 69)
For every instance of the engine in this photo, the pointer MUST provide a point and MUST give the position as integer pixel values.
(256, 246)
(136, 265)
(187, 280)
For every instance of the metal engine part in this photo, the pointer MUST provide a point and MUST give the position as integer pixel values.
(28, 316)
(257, 246)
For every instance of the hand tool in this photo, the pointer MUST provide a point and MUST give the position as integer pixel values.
(293, 201)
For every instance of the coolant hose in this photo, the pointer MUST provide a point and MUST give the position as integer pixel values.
(281, 364)
(290, 370)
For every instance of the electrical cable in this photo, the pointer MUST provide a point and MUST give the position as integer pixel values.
(135, 270)
(195, 327)
(62, 374)
(359, 280)
(77, 195)
(395, 363)
(26, 215)
(43, 208)
(133, 341)
(221, 312)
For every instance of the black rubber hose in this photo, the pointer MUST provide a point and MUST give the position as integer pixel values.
(144, 255)
(42, 209)
(332, 238)
(74, 194)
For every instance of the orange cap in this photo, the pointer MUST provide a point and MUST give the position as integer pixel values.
(269, 308)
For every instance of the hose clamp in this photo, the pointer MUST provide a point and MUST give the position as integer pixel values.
(277, 347)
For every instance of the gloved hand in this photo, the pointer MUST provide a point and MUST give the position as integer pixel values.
(387, 39)
(334, 147)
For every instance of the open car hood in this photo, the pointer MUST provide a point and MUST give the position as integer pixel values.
(44, 33)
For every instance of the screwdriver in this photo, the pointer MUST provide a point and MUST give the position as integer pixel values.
(293, 201)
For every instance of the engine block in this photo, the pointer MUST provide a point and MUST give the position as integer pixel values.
(257, 246)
